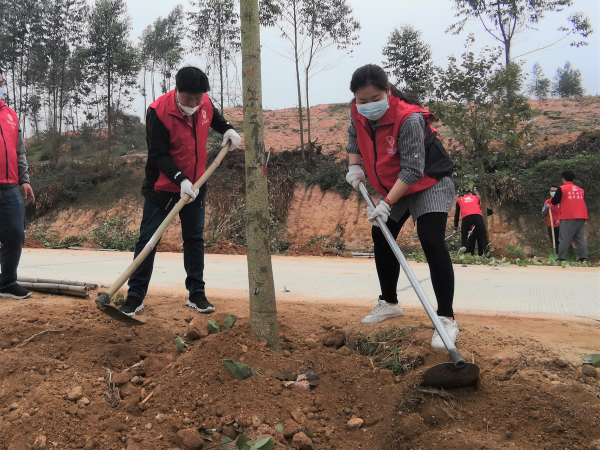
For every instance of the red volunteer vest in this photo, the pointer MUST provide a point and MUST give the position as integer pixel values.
(469, 204)
(555, 209)
(187, 149)
(379, 150)
(572, 202)
(9, 133)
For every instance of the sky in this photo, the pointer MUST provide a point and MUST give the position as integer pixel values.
(378, 19)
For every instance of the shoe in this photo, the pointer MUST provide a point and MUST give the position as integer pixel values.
(132, 306)
(452, 330)
(15, 291)
(383, 311)
(199, 302)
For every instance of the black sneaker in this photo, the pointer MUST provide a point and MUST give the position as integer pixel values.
(199, 302)
(132, 306)
(15, 291)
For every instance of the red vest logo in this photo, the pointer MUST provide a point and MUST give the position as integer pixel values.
(391, 142)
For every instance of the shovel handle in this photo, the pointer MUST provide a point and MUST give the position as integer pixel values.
(163, 226)
(455, 356)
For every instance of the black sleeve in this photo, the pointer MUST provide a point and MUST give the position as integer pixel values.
(557, 197)
(219, 123)
(158, 140)
(490, 212)
(456, 215)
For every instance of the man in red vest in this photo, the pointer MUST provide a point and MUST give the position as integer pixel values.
(13, 172)
(573, 214)
(177, 127)
(555, 223)
(472, 228)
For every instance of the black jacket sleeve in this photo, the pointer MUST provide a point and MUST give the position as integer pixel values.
(219, 123)
(490, 212)
(456, 215)
(158, 140)
(557, 197)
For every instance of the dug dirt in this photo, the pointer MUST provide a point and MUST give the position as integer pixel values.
(54, 391)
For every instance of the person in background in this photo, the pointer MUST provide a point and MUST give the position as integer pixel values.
(472, 227)
(573, 214)
(555, 223)
(177, 127)
(14, 171)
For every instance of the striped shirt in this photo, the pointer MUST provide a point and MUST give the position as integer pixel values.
(411, 147)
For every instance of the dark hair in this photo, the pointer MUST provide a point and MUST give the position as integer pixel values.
(568, 175)
(191, 80)
(373, 75)
(552, 186)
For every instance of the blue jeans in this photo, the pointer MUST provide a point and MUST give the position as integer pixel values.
(192, 229)
(12, 234)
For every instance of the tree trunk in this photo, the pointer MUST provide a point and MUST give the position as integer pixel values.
(263, 307)
(482, 195)
(108, 117)
(296, 60)
(144, 94)
(219, 38)
(309, 145)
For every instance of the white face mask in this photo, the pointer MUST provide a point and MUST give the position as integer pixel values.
(187, 110)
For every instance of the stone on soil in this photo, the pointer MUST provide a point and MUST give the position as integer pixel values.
(386, 376)
(335, 339)
(197, 329)
(589, 371)
(122, 378)
(290, 428)
(302, 442)
(40, 442)
(354, 423)
(189, 439)
(75, 394)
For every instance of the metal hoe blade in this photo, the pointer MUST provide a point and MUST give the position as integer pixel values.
(103, 304)
(447, 376)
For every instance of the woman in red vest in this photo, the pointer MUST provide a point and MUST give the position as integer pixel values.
(555, 223)
(407, 164)
(472, 227)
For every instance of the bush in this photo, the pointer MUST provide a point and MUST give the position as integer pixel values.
(44, 156)
(115, 234)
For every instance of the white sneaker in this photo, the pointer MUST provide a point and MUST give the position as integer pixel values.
(383, 311)
(452, 330)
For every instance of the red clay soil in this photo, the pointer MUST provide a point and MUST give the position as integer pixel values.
(532, 392)
(32, 244)
(226, 248)
(317, 249)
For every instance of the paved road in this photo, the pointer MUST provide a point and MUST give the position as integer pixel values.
(507, 289)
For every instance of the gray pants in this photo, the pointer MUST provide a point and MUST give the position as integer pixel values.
(572, 230)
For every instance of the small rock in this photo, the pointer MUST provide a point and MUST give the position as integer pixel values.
(386, 376)
(15, 341)
(589, 371)
(302, 442)
(286, 353)
(298, 416)
(71, 410)
(13, 406)
(122, 378)
(335, 338)
(311, 343)
(135, 380)
(355, 423)
(75, 394)
(197, 329)
(256, 422)
(501, 375)
(229, 431)
(561, 362)
(82, 402)
(40, 442)
(159, 418)
(189, 439)
(530, 361)
(244, 348)
(290, 428)
(302, 385)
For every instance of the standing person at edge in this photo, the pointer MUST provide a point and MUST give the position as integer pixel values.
(555, 209)
(177, 126)
(468, 208)
(573, 214)
(391, 131)
(13, 171)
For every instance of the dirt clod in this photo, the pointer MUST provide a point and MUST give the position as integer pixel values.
(355, 422)
(589, 371)
(386, 377)
(122, 378)
(189, 439)
(335, 338)
(302, 442)
(75, 394)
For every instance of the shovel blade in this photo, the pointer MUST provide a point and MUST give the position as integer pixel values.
(447, 376)
(115, 314)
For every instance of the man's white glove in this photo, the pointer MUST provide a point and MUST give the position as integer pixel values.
(231, 135)
(186, 188)
(355, 175)
(382, 210)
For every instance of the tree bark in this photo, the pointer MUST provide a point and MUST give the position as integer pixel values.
(108, 117)
(309, 145)
(263, 307)
(296, 60)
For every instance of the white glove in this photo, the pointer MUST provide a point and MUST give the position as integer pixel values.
(186, 188)
(382, 210)
(355, 175)
(231, 135)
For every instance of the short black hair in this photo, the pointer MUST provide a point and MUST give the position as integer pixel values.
(568, 175)
(552, 186)
(191, 80)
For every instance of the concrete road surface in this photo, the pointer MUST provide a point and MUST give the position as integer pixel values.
(534, 289)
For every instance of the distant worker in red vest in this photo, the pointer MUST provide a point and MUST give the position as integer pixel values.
(573, 214)
(14, 171)
(472, 227)
(555, 222)
(177, 126)
(389, 132)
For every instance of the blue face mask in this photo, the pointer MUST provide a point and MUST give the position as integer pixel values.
(1, 92)
(552, 194)
(373, 110)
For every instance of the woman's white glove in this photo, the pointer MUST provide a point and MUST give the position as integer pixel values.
(186, 188)
(231, 135)
(355, 175)
(382, 210)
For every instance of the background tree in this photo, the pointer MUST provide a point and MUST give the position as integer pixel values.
(408, 60)
(568, 82)
(215, 36)
(263, 307)
(471, 99)
(504, 19)
(171, 49)
(539, 86)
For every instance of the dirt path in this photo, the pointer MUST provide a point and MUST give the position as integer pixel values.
(532, 394)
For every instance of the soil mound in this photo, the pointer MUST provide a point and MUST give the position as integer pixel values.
(226, 248)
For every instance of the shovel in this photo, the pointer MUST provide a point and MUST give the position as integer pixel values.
(103, 300)
(449, 375)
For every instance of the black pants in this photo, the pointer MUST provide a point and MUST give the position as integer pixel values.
(431, 229)
(556, 232)
(478, 235)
